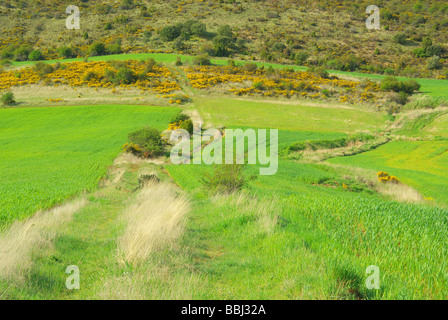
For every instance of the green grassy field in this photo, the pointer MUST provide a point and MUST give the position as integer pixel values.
(438, 127)
(293, 117)
(340, 233)
(421, 164)
(298, 234)
(50, 154)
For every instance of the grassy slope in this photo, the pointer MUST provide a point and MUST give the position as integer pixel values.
(345, 231)
(421, 164)
(294, 117)
(320, 247)
(320, 27)
(49, 154)
(438, 127)
(341, 232)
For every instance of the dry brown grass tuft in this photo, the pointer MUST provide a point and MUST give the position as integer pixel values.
(154, 222)
(23, 238)
(400, 192)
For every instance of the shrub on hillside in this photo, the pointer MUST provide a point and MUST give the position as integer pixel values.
(5, 63)
(434, 63)
(22, 53)
(187, 125)
(319, 71)
(384, 177)
(146, 142)
(179, 117)
(345, 63)
(226, 178)
(43, 68)
(301, 57)
(169, 33)
(8, 99)
(250, 67)
(202, 60)
(329, 144)
(224, 41)
(89, 76)
(97, 49)
(393, 84)
(66, 52)
(400, 38)
(36, 55)
(109, 75)
(114, 48)
(181, 98)
(397, 97)
(8, 52)
(127, 4)
(125, 76)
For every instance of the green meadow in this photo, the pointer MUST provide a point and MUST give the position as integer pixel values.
(421, 164)
(289, 116)
(307, 232)
(331, 236)
(50, 154)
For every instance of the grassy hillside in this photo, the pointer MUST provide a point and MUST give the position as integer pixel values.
(421, 164)
(307, 232)
(289, 116)
(295, 32)
(324, 230)
(50, 154)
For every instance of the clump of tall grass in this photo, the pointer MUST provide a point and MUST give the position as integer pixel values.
(226, 178)
(155, 221)
(23, 238)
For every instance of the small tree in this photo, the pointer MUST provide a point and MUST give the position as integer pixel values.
(169, 33)
(125, 76)
(66, 52)
(36, 55)
(22, 53)
(224, 42)
(8, 99)
(226, 178)
(202, 60)
(148, 140)
(97, 49)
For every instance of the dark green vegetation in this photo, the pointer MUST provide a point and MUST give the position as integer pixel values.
(146, 142)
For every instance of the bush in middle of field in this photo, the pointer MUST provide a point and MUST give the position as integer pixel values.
(8, 99)
(146, 142)
(226, 178)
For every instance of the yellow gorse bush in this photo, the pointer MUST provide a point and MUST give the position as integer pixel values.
(282, 83)
(91, 74)
(384, 177)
